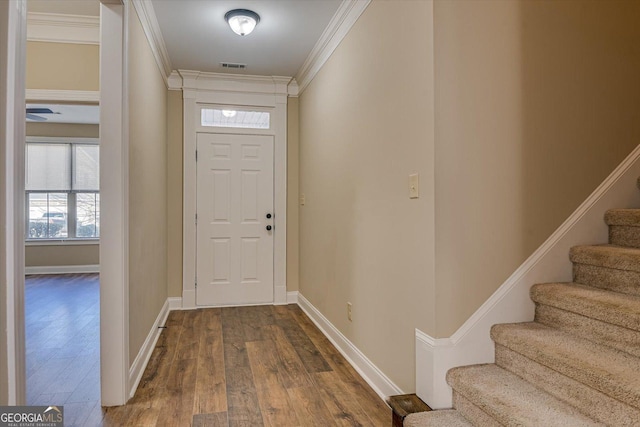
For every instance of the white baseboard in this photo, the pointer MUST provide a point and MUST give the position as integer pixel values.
(471, 344)
(292, 297)
(142, 359)
(63, 269)
(175, 303)
(380, 383)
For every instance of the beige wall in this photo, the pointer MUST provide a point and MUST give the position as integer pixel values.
(293, 160)
(536, 103)
(62, 130)
(63, 66)
(60, 255)
(147, 188)
(366, 124)
(174, 193)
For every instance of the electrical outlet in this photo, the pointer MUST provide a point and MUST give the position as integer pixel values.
(349, 312)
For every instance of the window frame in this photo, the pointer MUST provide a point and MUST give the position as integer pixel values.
(71, 196)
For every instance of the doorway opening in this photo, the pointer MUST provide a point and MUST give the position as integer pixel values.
(62, 207)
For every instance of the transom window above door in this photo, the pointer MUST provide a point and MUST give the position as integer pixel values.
(231, 118)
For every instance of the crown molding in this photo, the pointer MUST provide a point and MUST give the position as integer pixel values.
(344, 18)
(149, 21)
(293, 88)
(220, 82)
(174, 82)
(92, 96)
(58, 28)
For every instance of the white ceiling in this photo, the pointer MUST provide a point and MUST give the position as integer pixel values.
(198, 38)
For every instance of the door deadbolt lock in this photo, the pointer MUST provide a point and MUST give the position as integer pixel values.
(268, 216)
(269, 228)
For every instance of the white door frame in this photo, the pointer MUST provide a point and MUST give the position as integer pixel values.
(114, 278)
(242, 91)
(13, 48)
(114, 200)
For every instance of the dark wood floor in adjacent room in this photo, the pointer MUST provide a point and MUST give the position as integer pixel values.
(62, 321)
(242, 366)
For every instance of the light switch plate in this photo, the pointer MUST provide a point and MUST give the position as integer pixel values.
(414, 186)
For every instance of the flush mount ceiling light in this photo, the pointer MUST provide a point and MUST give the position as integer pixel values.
(242, 21)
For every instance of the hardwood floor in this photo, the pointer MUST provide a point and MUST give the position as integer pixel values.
(240, 366)
(248, 366)
(62, 320)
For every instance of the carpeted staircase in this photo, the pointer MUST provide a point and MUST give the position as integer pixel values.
(578, 363)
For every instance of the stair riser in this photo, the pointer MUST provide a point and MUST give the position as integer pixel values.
(564, 364)
(594, 330)
(477, 416)
(623, 281)
(624, 235)
(589, 401)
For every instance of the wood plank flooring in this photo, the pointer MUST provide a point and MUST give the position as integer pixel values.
(62, 324)
(236, 366)
(248, 366)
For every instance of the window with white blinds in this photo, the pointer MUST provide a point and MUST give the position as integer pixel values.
(62, 189)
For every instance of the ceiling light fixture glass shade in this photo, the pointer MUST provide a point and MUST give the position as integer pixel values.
(242, 21)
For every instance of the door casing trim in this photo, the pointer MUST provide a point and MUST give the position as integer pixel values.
(200, 89)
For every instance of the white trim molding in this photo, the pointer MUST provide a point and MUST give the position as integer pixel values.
(380, 383)
(292, 297)
(58, 28)
(344, 18)
(175, 303)
(471, 344)
(147, 15)
(114, 196)
(13, 21)
(143, 356)
(51, 95)
(63, 269)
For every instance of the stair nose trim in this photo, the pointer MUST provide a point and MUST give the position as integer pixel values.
(609, 256)
(610, 307)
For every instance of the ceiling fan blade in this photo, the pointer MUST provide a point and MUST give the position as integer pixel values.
(36, 118)
(39, 110)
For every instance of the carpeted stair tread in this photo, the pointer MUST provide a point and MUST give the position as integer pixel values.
(510, 400)
(609, 371)
(609, 256)
(629, 217)
(611, 307)
(589, 401)
(440, 418)
(614, 336)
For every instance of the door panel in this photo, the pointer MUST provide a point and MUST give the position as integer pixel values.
(234, 195)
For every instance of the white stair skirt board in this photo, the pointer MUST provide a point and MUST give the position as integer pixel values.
(63, 269)
(380, 383)
(142, 359)
(471, 344)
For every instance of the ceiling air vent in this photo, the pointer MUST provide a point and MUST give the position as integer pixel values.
(233, 65)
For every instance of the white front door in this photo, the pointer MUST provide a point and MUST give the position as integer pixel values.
(234, 219)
